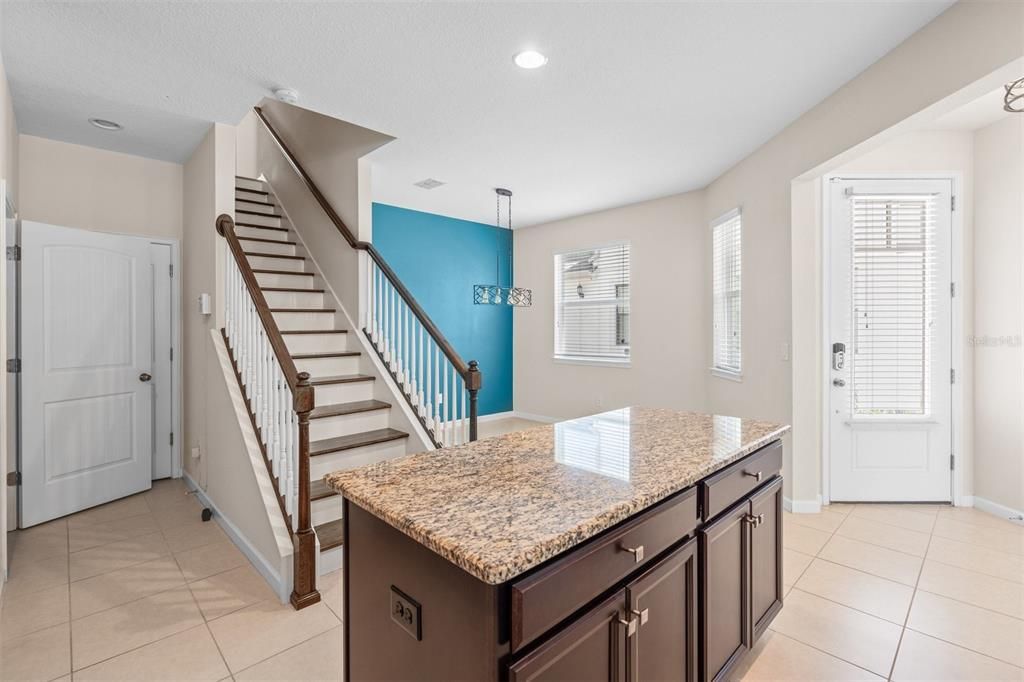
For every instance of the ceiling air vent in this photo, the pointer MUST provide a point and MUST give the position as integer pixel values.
(429, 183)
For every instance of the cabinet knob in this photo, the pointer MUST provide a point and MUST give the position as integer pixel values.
(642, 615)
(630, 625)
(756, 475)
(637, 552)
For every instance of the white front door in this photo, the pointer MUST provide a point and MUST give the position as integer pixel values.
(86, 357)
(890, 365)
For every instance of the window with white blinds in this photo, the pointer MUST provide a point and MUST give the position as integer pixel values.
(592, 304)
(727, 290)
(893, 291)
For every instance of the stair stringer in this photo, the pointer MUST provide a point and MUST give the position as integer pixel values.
(238, 484)
(319, 237)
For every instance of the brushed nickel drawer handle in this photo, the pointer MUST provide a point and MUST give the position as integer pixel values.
(637, 552)
(756, 476)
(642, 615)
(630, 626)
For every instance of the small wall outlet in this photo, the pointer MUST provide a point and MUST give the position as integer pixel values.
(406, 612)
(204, 304)
(786, 351)
(195, 453)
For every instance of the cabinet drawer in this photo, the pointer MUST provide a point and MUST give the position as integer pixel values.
(728, 486)
(548, 596)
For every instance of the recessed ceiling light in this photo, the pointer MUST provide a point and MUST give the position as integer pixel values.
(429, 183)
(530, 59)
(104, 124)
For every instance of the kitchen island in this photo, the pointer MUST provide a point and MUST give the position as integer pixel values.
(637, 544)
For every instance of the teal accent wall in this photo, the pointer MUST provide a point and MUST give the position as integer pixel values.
(439, 259)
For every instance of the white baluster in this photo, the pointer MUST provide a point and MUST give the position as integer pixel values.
(465, 419)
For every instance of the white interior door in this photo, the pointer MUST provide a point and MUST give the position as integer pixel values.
(86, 357)
(163, 440)
(891, 333)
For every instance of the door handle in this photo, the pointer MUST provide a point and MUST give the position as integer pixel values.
(145, 377)
(839, 382)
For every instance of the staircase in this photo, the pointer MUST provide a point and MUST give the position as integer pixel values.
(348, 426)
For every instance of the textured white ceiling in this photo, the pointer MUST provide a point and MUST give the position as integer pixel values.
(637, 101)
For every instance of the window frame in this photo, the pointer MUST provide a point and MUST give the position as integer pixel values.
(722, 371)
(623, 362)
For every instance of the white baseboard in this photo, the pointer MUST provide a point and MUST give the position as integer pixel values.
(272, 576)
(495, 416)
(801, 506)
(996, 509)
(536, 417)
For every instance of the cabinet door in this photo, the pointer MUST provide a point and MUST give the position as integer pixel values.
(663, 602)
(766, 555)
(724, 577)
(592, 648)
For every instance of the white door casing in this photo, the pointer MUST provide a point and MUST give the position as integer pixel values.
(890, 403)
(86, 345)
(163, 378)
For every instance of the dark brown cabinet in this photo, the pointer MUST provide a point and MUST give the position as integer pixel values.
(766, 556)
(591, 649)
(663, 602)
(724, 553)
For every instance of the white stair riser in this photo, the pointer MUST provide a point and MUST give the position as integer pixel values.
(347, 425)
(294, 299)
(266, 263)
(246, 183)
(283, 249)
(288, 321)
(321, 465)
(250, 195)
(332, 394)
(260, 233)
(328, 367)
(329, 561)
(316, 343)
(266, 220)
(326, 509)
(257, 206)
(268, 279)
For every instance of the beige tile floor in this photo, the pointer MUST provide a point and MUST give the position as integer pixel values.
(141, 589)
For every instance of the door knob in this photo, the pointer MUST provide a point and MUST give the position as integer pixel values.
(144, 377)
(839, 382)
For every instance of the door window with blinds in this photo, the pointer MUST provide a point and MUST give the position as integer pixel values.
(592, 315)
(892, 303)
(727, 294)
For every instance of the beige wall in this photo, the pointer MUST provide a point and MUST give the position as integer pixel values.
(999, 312)
(94, 189)
(667, 311)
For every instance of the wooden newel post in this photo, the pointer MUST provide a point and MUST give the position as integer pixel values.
(304, 592)
(474, 381)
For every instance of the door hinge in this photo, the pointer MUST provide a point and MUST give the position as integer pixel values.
(172, 437)
(172, 354)
(14, 478)
(952, 459)
(952, 376)
(14, 365)
(952, 289)
(170, 270)
(952, 203)
(13, 253)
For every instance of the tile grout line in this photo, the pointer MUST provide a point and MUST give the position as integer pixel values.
(249, 667)
(827, 653)
(910, 607)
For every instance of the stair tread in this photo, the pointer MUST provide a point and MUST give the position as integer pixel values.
(261, 227)
(273, 255)
(294, 289)
(253, 191)
(265, 215)
(318, 490)
(266, 241)
(335, 354)
(315, 331)
(330, 534)
(282, 272)
(355, 440)
(341, 379)
(339, 409)
(254, 201)
(246, 177)
(302, 310)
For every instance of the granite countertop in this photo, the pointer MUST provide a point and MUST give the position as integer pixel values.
(500, 506)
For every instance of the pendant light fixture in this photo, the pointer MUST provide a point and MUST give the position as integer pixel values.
(496, 294)
(1013, 101)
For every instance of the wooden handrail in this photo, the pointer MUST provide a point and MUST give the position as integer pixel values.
(470, 374)
(298, 382)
